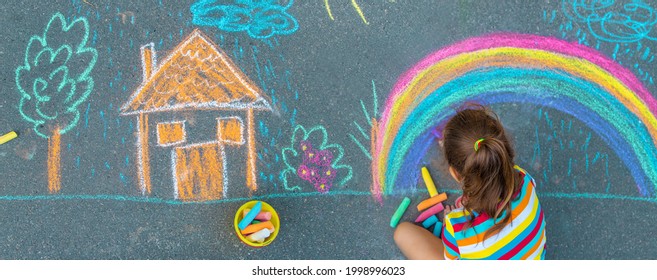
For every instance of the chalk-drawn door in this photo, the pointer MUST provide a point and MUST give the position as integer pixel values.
(199, 172)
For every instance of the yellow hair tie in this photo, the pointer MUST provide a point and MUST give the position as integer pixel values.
(476, 144)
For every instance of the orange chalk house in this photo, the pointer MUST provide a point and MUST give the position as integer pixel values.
(196, 77)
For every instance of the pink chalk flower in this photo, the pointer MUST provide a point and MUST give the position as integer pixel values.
(322, 185)
(309, 153)
(304, 172)
(328, 173)
(314, 173)
(324, 158)
(311, 159)
(304, 146)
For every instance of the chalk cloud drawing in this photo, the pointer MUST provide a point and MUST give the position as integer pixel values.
(53, 81)
(261, 19)
(612, 21)
(353, 4)
(197, 76)
(310, 159)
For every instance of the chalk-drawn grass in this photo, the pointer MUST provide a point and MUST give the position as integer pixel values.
(369, 119)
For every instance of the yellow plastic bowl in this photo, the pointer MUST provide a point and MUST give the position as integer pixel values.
(274, 220)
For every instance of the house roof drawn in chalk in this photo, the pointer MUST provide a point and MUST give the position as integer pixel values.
(195, 75)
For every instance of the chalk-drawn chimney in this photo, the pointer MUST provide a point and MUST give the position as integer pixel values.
(148, 60)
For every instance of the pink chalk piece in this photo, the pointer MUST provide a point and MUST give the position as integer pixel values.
(430, 212)
(262, 216)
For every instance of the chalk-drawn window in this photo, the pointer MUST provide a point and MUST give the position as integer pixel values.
(230, 131)
(171, 133)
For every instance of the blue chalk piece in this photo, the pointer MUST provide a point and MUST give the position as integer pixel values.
(250, 216)
(437, 229)
(430, 221)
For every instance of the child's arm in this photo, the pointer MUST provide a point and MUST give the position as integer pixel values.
(451, 249)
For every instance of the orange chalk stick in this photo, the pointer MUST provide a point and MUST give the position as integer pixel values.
(257, 227)
(431, 201)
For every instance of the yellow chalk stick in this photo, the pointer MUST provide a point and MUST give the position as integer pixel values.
(431, 187)
(7, 137)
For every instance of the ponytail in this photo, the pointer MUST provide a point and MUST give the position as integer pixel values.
(489, 181)
(476, 146)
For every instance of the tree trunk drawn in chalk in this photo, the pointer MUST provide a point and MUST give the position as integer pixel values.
(53, 81)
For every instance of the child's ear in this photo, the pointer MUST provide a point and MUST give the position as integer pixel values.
(454, 174)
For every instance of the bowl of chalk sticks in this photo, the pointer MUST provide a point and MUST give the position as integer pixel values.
(257, 223)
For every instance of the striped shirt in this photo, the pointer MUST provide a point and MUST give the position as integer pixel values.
(522, 238)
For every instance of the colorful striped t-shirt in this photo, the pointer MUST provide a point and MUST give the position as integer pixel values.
(522, 238)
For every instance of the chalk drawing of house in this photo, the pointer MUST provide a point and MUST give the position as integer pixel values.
(197, 77)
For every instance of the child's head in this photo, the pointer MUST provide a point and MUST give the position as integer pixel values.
(480, 157)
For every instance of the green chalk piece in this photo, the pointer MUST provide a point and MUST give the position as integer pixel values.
(437, 228)
(255, 222)
(400, 211)
(430, 221)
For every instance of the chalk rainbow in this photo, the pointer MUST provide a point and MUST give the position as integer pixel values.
(515, 68)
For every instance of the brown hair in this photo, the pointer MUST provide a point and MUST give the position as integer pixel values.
(487, 174)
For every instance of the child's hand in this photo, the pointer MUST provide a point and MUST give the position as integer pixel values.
(458, 202)
(448, 209)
